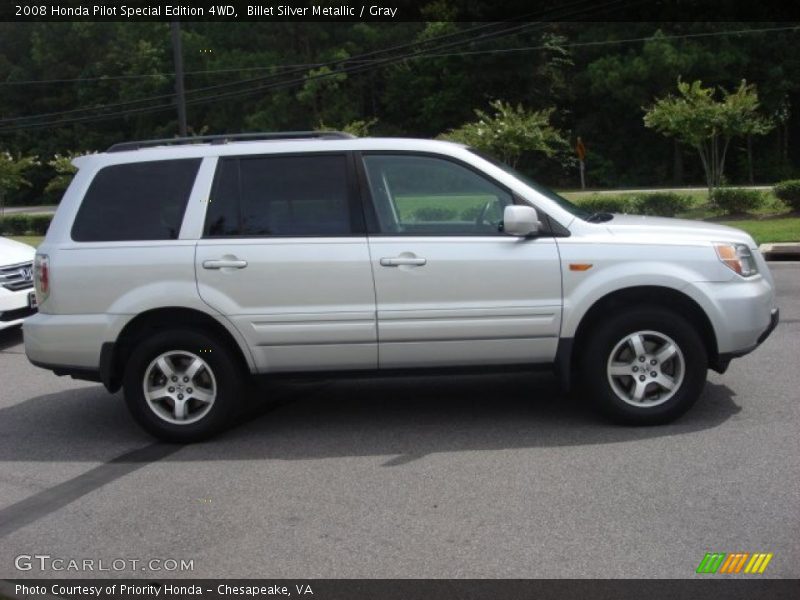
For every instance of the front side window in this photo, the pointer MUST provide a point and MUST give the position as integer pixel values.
(280, 196)
(419, 195)
(544, 191)
(136, 201)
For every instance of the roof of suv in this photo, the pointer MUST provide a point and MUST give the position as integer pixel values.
(226, 138)
(227, 145)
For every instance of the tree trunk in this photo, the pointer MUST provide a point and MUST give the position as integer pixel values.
(785, 146)
(704, 158)
(721, 167)
(750, 159)
(715, 160)
(677, 164)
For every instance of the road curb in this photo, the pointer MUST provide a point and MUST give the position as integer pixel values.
(783, 251)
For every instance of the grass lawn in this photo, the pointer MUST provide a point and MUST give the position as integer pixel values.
(771, 227)
(408, 205)
(700, 208)
(33, 240)
(765, 231)
(698, 196)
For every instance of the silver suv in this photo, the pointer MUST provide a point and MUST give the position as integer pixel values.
(176, 269)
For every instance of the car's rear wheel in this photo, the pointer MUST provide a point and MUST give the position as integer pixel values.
(183, 386)
(644, 366)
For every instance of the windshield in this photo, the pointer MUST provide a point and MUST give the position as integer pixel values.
(561, 201)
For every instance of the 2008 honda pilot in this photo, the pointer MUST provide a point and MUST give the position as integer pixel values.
(174, 268)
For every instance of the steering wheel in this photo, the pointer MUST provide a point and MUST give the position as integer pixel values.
(480, 219)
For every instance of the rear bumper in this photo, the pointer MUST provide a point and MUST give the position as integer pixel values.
(74, 340)
(74, 372)
(71, 345)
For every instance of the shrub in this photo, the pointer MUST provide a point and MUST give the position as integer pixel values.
(25, 224)
(471, 213)
(736, 200)
(789, 192)
(15, 224)
(661, 204)
(606, 203)
(38, 224)
(434, 213)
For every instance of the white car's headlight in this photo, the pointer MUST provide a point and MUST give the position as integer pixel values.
(737, 257)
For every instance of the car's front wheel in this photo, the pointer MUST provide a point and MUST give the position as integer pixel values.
(183, 386)
(644, 366)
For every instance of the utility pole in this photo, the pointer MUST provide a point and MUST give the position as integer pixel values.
(580, 150)
(180, 96)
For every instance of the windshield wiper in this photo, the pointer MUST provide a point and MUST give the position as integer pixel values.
(600, 217)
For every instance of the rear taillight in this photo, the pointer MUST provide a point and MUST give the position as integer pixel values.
(41, 277)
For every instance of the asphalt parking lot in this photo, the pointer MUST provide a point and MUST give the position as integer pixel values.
(477, 476)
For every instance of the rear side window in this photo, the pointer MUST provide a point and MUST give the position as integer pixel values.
(136, 201)
(281, 196)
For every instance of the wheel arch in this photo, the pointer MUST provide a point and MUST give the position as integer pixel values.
(650, 295)
(114, 355)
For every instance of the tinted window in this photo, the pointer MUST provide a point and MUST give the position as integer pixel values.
(136, 201)
(426, 195)
(280, 196)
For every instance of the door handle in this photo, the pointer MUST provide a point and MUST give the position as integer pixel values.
(224, 264)
(398, 261)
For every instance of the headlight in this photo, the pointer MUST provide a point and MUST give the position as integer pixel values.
(737, 257)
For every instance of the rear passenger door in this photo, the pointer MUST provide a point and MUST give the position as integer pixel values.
(284, 256)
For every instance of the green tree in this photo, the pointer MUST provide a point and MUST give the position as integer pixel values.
(12, 173)
(64, 169)
(511, 131)
(695, 117)
(358, 128)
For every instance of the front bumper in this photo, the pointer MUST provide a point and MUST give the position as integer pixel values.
(775, 316)
(14, 308)
(724, 359)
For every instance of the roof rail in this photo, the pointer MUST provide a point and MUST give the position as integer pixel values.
(232, 137)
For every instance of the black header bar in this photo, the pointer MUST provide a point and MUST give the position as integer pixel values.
(398, 10)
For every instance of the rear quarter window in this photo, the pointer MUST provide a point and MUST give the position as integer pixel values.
(136, 201)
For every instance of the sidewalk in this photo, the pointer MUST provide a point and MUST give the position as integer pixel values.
(29, 210)
(676, 190)
(783, 251)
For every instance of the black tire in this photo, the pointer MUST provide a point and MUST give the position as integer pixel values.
(604, 339)
(230, 383)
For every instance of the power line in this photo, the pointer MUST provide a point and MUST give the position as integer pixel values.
(301, 65)
(623, 41)
(264, 87)
(358, 58)
(483, 38)
(287, 83)
(274, 76)
(106, 78)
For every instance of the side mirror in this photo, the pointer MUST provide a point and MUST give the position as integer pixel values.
(521, 221)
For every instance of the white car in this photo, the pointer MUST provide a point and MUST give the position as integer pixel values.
(17, 298)
(177, 269)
